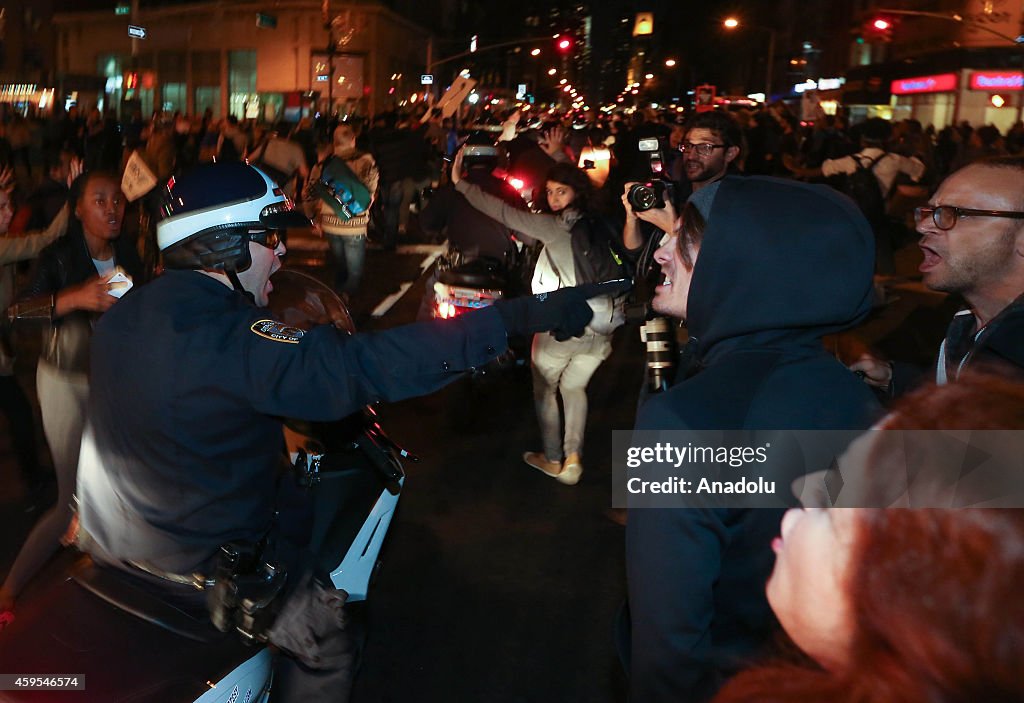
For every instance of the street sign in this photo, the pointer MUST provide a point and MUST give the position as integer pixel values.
(266, 21)
(137, 32)
(427, 79)
(122, 9)
(705, 98)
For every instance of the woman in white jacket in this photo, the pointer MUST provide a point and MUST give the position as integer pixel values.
(563, 367)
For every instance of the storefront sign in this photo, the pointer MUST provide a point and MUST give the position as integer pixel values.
(944, 82)
(997, 80)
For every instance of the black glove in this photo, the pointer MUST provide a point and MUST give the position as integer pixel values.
(564, 312)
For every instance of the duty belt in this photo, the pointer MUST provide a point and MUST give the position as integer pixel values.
(196, 579)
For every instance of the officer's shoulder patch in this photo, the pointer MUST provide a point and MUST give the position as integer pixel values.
(277, 331)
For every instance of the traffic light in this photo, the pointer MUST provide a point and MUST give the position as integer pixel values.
(131, 80)
(563, 44)
(879, 28)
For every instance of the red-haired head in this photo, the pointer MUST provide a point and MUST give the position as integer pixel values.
(903, 604)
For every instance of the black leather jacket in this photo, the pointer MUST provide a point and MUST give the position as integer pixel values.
(66, 263)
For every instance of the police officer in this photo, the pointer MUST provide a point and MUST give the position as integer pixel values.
(191, 374)
(470, 233)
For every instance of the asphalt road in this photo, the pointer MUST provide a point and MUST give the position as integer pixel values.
(498, 583)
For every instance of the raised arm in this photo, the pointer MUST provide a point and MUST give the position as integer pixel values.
(28, 246)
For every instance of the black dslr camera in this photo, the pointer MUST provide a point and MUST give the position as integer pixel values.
(653, 193)
(646, 196)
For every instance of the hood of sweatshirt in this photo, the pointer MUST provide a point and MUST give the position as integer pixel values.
(781, 264)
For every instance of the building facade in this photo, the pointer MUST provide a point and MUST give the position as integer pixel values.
(941, 62)
(239, 58)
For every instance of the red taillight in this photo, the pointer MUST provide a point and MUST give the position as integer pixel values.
(446, 310)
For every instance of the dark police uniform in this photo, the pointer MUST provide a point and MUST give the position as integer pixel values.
(188, 382)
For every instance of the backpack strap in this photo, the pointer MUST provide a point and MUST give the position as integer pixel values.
(871, 162)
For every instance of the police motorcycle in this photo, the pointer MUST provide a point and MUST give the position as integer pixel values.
(464, 285)
(465, 279)
(89, 634)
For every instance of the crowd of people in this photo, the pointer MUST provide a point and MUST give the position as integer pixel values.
(764, 236)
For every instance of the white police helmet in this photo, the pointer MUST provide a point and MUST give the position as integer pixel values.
(209, 213)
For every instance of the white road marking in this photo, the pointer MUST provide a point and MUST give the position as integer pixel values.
(438, 249)
(389, 302)
(420, 248)
(432, 251)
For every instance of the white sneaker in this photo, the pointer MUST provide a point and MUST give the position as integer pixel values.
(571, 471)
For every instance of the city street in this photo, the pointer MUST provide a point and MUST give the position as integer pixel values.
(791, 167)
(498, 583)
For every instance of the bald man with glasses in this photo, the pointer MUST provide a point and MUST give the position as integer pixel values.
(972, 237)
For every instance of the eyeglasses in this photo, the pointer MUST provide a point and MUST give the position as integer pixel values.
(269, 238)
(701, 149)
(945, 216)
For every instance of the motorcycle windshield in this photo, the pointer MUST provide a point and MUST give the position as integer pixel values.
(299, 300)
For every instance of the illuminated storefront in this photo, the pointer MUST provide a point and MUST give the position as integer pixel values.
(929, 99)
(979, 96)
(26, 97)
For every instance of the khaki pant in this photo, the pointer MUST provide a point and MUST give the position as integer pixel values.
(565, 367)
(62, 400)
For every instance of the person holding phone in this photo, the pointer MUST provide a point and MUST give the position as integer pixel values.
(70, 290)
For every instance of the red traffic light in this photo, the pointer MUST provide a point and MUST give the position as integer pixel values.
(564, 44)
(879, 28)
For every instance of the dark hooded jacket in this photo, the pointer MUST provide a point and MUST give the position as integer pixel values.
(998, 348)
(781, 264)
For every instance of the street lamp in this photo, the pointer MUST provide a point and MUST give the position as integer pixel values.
(670, 63)
(733, 23)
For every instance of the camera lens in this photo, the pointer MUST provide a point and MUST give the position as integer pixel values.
(660, 340)
(641, 197)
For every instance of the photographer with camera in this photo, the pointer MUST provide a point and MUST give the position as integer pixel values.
(709, 153)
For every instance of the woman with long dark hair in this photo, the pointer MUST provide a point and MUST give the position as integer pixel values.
(70, 289)
(558, 367)
(903, 604)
